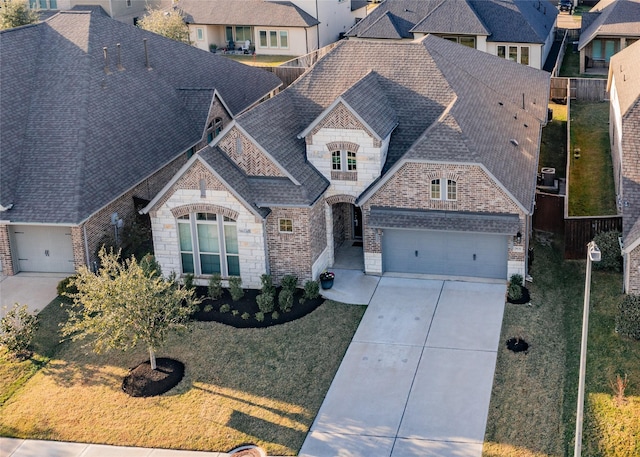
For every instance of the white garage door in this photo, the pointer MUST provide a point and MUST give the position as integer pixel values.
(42, 248)
(445, 253)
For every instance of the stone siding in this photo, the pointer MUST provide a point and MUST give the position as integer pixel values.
(5, 251)
(251, 159)
(633, 267)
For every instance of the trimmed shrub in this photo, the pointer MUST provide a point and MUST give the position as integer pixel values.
(275, 315)
(610, 248)
(150, 265)
(235, 288)
(225, 308)
(289, 282)
(188, 281)
(265, 302)
(516, 279)
(628, 317)
(67, 287)
(17, 328)
(267, 285)
(207, 308)
(285, 300)
(514, 292)
(259, 316)
(245, 316)
(311, 291)
(215, 286)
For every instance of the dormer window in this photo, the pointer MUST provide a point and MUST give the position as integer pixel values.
(437, 191)
(213, 129)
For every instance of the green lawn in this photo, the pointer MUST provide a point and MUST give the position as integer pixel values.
(553, 148)
(261, 386)
(259, 60)
(591, 185)
(533, 403)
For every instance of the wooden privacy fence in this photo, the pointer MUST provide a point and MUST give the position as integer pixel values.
(287, 74)
(578, 231)
(559, 88)
(549, 213)
(583, 89)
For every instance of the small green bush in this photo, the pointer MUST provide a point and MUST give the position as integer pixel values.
(259, 316)
(610, 248)
(67, 287)
(215, 286)
(235, 312)
(235, 288)
(17, 328)
(514, 291)
(225, 308)
(275, 315)
(285, 300)
(245, 316)
(628, 317)
(207, 308)
(311, 291)
(516, 279)
(267, 285)
(265, 302)
(289, 282)
(150, 265)
(188, 281)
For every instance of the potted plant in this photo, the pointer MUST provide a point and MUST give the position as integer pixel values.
(213, 47)
(326, 279)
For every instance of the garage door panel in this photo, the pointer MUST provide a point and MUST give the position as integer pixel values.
(43, 249)
(445, 253)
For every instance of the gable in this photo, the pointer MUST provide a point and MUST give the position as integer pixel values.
(340, 118)
(246, 155)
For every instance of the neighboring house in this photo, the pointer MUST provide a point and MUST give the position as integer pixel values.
(96, 113)
(519, 30)
(122, 10)
(609, 27)
(268, 27)
(624, 126)
(425, 153)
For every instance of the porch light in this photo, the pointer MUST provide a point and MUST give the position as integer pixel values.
(518, 237)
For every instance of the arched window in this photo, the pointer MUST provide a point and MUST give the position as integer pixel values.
(452, 189)
(208, 244)
(435, 189)
(214, 128)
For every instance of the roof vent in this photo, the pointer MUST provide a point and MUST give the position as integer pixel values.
(106, 60)
(146, 55)
(514, 142)
(119, 56)
(500, 103)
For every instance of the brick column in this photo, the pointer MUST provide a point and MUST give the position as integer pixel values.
(5, 251)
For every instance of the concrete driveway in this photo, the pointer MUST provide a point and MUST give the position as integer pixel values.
(36, 290)
(417, 377)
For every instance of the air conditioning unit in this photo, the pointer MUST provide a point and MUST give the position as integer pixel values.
(548, 176)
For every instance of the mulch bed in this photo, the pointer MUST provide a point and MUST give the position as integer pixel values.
(248, 305)
(526, 297)
(517, 345)
(142, 381)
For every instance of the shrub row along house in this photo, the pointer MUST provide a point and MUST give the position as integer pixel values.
(624, 129)
(96, 113)
(427, 152)
(522, 31)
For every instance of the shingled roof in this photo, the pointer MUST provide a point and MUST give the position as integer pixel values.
(611, 18)
(450, 103)
(517, 21)
(77, 133)
(245, 12)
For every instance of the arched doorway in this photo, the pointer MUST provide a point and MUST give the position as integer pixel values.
(346, 232)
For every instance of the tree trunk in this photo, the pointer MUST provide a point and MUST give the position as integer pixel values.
(152, 358)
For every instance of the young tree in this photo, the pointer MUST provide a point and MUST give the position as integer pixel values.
(124, 303)
(166, 23)
(14, 13)
(16, 330)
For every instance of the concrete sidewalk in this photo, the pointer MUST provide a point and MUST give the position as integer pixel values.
(416, 380)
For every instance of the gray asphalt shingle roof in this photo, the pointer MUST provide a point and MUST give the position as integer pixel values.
(481, 94)
(518, 21)
(245, 12)
(74, 137)
(615, 18)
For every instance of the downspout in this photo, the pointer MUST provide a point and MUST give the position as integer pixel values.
(318, 25)
(306, 39)
(86, 245)
(266, 248)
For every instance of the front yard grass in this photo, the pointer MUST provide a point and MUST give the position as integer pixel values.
(261, 386)
(533, 403)
(591, 186)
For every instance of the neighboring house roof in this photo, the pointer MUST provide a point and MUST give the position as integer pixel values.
(614, 18)
(625, 70)
(450, 104)
(74, 136)
(245, 12)
(518, 21)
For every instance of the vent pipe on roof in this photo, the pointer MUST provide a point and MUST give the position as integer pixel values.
(146, 55)
(106, 60)
(523, 100)
(119, 56)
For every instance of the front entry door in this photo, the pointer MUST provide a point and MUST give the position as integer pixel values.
(357, 223)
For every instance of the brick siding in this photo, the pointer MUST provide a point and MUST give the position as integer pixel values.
(634, 271)
(251, 160)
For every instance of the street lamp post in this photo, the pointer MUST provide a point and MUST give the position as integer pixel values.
(593, 255)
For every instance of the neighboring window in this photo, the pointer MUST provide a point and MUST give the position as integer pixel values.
(286, 225)
(336, 160)
(609, 49)
(263, 38)
(435, 189)
(43, 4)
(502, 52)
(128, 3)
(243, 33)
(524, 55)
(513, 53)
(351, 161)
(229, 33)
(596, 50)
(273, 39)
(469, 42)
(452, 189)
(200, 34)
(284, 39)
(208, 244)
(53, 4)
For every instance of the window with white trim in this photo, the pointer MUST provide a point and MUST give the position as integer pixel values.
(213, 129)
(518, 54)
(199, 33)
(452, 189)
(208, 244)
(286, 225)
(341, 157)
(468, 41)
(274, 39)
(435, 189)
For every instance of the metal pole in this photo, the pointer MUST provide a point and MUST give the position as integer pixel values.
(583, 357)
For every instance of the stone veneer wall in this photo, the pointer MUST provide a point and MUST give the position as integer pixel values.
(410, 187)
(186, 193)
(251, 160)
(633, 266)
(5, 251)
